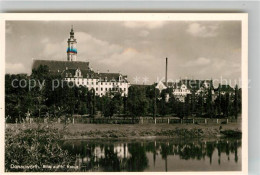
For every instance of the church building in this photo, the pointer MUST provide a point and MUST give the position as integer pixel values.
(80, 73)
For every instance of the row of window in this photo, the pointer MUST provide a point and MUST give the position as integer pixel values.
(181, 90)
(101, 94)
(113, 89)
(92, 83)
(76, 78)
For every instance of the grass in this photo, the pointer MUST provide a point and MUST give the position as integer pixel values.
(91, 131)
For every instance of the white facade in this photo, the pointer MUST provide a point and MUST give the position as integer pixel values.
(181, 89)
(101, 87)
(181, 92)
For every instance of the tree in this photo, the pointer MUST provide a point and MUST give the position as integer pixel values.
(200, 104)
(187, 105)
(124, 104)
(117, 103)
(227, 104)
(112, 105)
(209, 108)
(172, 104)
(106, 100)
(137, 101)
(91, 102)
(218, 102)
(152, 94)
(18, 99)
(193, 101)
(83, 109)
(236, 108)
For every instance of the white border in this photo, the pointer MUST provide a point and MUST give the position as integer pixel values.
(133, 17)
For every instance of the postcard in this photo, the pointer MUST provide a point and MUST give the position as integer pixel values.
(124, 92)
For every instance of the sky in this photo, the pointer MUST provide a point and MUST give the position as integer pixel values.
(195, 49)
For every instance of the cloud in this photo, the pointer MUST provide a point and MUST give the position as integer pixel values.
(87, 45)
(142, 24)
(199, 30)
(120, 58)
(91, 46)
(45, 40)
(144, 33)
(201, 61)
(15, 68)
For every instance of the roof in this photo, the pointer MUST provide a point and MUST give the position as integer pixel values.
(68, 69)
(55, 65)
(191, 84)
(110, 76)
(141, 85)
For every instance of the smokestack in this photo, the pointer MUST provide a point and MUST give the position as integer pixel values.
(166, 71)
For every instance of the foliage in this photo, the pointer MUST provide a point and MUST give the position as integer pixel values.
(37, 147)
(137, 101)
(64, 100)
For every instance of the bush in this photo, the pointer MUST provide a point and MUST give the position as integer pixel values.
(35, 147)
(232, 134)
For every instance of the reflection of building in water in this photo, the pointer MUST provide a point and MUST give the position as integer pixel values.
(122, 151)
(133, 156)
(99, 153)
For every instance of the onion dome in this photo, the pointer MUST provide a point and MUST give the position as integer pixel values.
(72, 50)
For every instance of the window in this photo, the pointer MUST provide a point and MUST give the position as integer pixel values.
(96, 89)
(96, 83)
(101, 89)
(101, 83)
(106, 89)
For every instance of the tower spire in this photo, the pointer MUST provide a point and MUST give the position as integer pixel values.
(72, 50)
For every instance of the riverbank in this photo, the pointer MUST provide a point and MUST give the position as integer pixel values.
(142, 131)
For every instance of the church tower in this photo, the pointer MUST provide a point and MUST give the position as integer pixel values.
(72, 50)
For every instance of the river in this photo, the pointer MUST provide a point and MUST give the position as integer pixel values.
(156, 155)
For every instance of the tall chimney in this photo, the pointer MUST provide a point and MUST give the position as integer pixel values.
(166, 81)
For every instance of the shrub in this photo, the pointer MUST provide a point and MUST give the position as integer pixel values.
(35, 147)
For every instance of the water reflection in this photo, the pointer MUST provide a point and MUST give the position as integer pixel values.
(156, 155)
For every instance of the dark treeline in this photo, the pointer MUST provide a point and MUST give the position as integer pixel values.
(67, 100)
